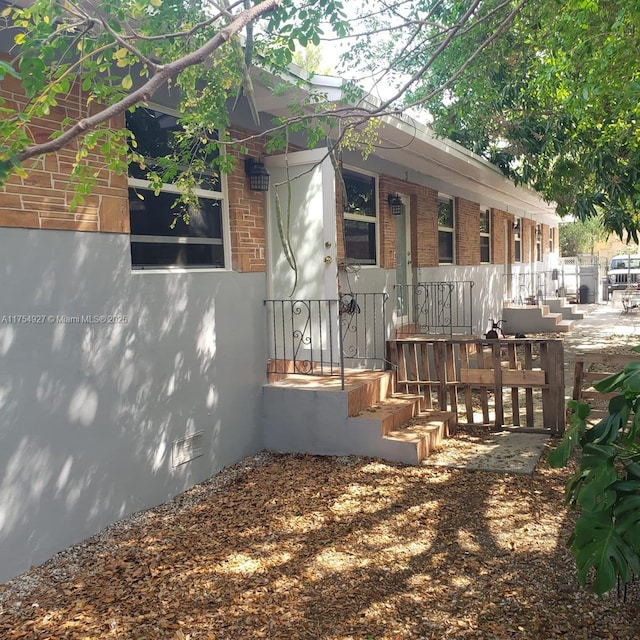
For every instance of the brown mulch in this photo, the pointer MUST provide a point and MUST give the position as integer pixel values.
(297, 547)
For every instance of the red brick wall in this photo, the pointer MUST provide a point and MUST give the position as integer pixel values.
(425, 231)
(42, 200)
(498, 220)
(527, 233)
(246, 212)
(423, 209)
(467, 232)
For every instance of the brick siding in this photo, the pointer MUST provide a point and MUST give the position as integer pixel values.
(467, 232)
(42, 200)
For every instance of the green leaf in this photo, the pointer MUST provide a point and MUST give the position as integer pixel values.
(597, 545)
(127, 82)
(6, 68)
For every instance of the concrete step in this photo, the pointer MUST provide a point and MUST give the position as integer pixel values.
(422, 435)
(393, 412)
(367, 390)
(363, 388)
(565, 325)
(530, 319)
(568, 311)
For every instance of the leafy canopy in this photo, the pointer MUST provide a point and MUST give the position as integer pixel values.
(555, 103)
(553, 100)
(116, 54)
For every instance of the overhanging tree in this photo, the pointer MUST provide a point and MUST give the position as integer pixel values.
(120, 53)
(554, 103)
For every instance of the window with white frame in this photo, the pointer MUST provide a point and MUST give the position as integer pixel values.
(517, 240)
(485, 235)
(360, 216)
(166, 232)
(446, 230)
(538, 243)
(552, 233)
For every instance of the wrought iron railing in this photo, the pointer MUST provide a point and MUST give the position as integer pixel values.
(321, 337)
(435, 308)
(526, 287)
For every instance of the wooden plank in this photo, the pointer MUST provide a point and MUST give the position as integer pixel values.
(484, 398)
(578, 377)
(402, 366)
(594, 376)
(510, 377)
(521, 377)
(515, 398)
(439, 357)
(412, 367)
(607, 358)
(426, 375)
(497, 373)
(468, 396)
(555, 414)
(528, 401)
(451, 376)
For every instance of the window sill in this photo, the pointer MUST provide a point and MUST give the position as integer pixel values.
(173, 270)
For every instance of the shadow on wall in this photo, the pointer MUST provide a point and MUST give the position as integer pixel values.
(102, 372)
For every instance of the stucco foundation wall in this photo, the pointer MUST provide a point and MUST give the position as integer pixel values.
(89, 411)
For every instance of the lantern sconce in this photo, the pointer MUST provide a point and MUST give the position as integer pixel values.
(396, 206)
(539, 232)
(516, 225)
(257, 174)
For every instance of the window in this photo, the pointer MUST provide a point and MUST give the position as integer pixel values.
(538, 243)
(517, 230)
(552, 233)
(446, 232)
(164, 231)
(360, 217)
(485, 235)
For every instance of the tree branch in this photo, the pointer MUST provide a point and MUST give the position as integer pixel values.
(158, 79)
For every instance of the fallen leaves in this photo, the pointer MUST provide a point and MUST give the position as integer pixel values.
(302, 547)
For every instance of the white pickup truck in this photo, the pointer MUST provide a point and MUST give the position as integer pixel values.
(624, 273)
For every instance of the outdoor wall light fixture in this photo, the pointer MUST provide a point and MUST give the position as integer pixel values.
(396, 206)
(516, 225)
(257, 174)
(538, 232)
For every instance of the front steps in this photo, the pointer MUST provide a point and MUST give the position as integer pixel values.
(307, 414)
(534, 319)
(560, 305)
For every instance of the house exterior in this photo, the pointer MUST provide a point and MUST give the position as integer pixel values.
(133, 357)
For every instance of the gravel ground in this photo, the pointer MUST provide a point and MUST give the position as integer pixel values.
(304, 547)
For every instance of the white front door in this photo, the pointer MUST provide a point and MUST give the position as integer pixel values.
(301, 246)
(404, 274)
(302, 210)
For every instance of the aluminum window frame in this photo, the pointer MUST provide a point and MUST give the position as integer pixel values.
(220, 196)
(356, 217)
(485, 234)
(442, 198)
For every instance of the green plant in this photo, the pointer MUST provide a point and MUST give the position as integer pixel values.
(606, 485)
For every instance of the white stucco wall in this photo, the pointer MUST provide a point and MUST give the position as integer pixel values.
(89, 412)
